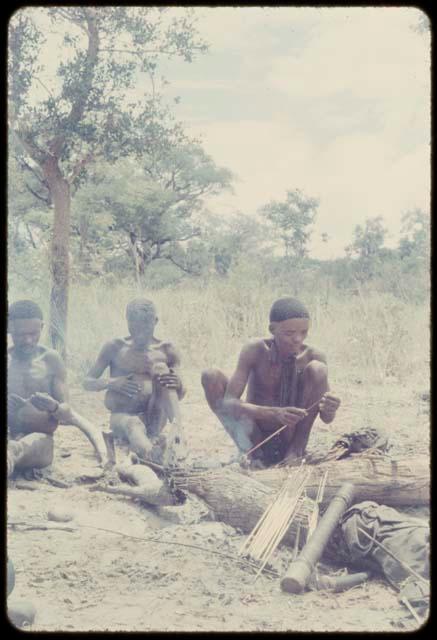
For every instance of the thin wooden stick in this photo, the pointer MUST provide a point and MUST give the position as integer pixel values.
(392, 555)
(281, 429)
(411, 609)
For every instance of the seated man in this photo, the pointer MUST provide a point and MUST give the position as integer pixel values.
(144, 389)
(284, 377)
(37, 392)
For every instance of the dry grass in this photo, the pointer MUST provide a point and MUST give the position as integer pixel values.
(368, 336)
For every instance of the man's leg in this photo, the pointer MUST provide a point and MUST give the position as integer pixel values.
(33, 451)
(163, 404)
(131, 428)
(243, 431)
(314, 385)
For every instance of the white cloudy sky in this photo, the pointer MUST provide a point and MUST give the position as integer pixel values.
(333, 101)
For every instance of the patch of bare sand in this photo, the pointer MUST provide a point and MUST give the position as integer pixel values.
(90, 580)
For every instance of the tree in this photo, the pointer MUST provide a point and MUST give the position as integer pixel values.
(153, 205)
(367, 246)
(292, 219)
(415, 239)
(87, 108)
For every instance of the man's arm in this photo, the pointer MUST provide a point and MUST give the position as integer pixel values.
(329, 403)
(173, 380)
(235, 388)
(91, 381)
(54, 404)
(121, 384)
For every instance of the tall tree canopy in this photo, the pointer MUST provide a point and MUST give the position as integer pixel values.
(97, 99)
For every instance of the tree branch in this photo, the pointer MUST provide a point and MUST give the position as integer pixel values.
(189, 271)
(79, 166)
(46, 200)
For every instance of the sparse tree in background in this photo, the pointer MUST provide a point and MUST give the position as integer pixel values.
(150, 207)
(367, 247)
(85, 112)
(292, 220)
(415, 235)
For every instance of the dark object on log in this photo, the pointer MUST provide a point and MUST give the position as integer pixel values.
(341, 583)
(299, 572)
(395, 483)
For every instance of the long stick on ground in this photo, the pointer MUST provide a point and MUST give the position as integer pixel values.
(392, 555)
(44, 527)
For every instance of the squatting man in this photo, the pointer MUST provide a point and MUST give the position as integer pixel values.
(287, 384)
(144, 387)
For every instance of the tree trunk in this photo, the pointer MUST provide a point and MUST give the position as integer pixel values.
(239, 499)
(395, 483)
(60, 194)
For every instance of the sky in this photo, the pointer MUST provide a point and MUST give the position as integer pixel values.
(332, 101)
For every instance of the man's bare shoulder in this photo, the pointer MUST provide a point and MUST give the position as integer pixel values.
(114, 345)
(254, 347)
(49, 354)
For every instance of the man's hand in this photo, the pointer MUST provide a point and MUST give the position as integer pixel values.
(15, 403)
(289, 416)
(328, 407)
(171, 380)
(44, 402)
(124, 385)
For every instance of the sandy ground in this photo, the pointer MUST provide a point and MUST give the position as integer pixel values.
(90, 579)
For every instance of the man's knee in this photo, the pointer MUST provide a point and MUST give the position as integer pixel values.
(159, 369)
(212, 378)
(135, 424)
(317, 371)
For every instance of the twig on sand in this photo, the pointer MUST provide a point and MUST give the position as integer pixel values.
(411, 609)
(43, 527)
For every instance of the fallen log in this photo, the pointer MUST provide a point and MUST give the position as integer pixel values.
(240, 498)
(395, 483)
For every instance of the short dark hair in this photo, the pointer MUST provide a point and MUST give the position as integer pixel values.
(139, 306)
(286, 308)
(24, 310)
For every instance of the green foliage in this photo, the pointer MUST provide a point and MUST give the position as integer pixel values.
(149, 209)
(292, 219)
(85, 109)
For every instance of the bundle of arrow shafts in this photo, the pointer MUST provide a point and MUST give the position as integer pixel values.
(277, 518)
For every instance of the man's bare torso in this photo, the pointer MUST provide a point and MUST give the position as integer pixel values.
(139, 364)
(264, 380)
(26, 377)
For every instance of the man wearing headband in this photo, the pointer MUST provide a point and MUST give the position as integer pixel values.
(284, 378)
(143, 387)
